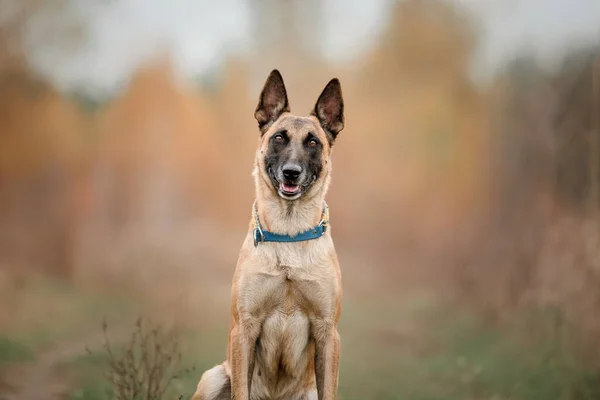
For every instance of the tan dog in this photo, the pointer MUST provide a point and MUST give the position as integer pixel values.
(287, 290)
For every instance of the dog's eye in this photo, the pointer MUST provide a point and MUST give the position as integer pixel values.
(313, 143)
(278, 138)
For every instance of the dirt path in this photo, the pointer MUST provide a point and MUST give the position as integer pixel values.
(43, 378)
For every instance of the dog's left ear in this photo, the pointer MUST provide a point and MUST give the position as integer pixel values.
(329, 109)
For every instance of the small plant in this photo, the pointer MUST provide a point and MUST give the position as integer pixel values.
(146, 366)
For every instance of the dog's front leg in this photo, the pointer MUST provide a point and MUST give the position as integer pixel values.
(327, 356)
(243, 355)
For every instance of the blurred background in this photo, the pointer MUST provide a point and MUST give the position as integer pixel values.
(464, 202)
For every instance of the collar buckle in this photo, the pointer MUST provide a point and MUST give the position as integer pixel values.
(324, 222)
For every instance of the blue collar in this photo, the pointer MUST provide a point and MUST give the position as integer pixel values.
(260, 235)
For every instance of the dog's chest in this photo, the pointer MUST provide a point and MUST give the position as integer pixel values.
(287, 279)
(299, 273)
(287, 290)
(284, 349)
(298, 261)
(282, 346)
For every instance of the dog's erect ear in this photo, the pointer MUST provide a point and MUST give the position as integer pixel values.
(273, 101)
(329, 109)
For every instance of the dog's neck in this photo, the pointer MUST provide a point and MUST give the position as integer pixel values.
(286, 217)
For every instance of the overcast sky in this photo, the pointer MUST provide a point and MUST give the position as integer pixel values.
(199, 32)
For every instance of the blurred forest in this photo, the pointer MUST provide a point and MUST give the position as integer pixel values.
(486, 195)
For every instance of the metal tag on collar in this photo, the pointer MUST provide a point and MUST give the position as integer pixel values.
(324, 218)
(258, 237)
(323, 224)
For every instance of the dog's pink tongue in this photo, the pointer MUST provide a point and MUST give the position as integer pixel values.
(290, 188)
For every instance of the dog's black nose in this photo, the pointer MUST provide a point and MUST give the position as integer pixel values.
(291, 171)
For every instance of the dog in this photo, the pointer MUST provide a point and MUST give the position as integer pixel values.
(287, 290)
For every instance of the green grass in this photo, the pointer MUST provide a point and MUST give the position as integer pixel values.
(412, 352)
(50, 314)
(461, 360)
(391, 349)
(13, 351)
(89, 371)
(51, 311)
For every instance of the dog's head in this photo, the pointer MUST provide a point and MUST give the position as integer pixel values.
(294, 151)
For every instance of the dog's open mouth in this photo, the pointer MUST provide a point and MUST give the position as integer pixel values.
(289, 189)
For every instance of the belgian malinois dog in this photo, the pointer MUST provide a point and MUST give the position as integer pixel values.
(287, 291)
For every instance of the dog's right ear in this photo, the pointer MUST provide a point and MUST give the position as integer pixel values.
(273, 101)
